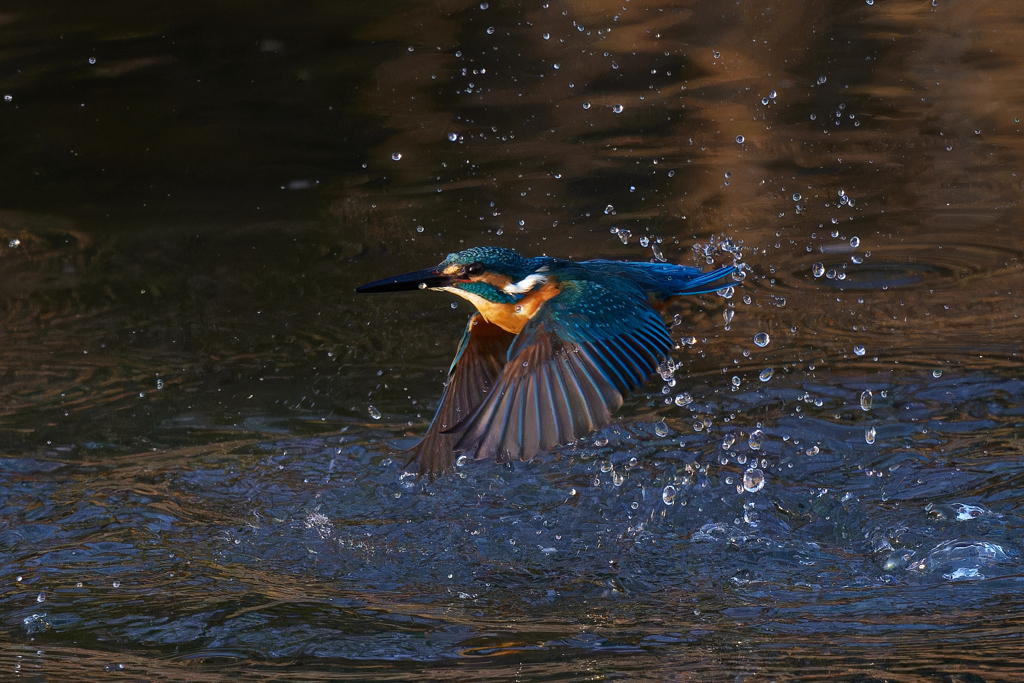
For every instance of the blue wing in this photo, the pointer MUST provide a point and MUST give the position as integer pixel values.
(478, 364)
(573, 363)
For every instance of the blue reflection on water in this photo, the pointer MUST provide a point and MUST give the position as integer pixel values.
(324, 547)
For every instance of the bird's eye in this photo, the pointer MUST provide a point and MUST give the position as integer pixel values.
(474, 269)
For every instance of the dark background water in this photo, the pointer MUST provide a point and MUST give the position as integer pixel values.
(193, 482)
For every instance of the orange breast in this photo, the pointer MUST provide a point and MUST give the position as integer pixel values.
(513, 317)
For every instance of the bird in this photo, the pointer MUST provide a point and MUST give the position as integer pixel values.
(553, 347)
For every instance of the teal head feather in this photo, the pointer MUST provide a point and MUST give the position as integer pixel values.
(493, 260)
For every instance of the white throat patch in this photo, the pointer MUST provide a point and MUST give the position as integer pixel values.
(526, 284)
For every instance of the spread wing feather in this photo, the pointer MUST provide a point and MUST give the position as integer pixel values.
(583, 350)
(475, 370)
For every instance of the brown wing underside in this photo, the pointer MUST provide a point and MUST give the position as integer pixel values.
(476, 370)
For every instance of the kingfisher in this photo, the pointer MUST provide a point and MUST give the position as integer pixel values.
(553, 347)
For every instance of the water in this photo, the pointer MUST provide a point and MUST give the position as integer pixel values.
(201, 423)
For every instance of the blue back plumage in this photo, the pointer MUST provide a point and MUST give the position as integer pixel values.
(661, 279)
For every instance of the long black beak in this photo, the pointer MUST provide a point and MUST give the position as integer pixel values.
(421, 279)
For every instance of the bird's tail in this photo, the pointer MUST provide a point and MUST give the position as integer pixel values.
(702, 284)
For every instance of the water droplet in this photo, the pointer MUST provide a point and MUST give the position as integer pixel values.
(609, 209)
(617, 108)
(92, 60)
(453, 137)
(764, 100)
(14, 243)
(818, 269)
(936, 373)
(869, 435)
(41, 597)
(518, 308)
(8, 98)
(762, 339)
(661, 429)
(766, 374)
(644, 241)
(965, 513)
(739, 139)
(419, 228)
(490, 30)
(601, 442)
(773, 94)
(546, 36)
(870, 2)
(116, 584)
(484, 5)
(374, 413)
(797, 196)
(557, 66)
(422, 285)
(727, 315)
(727, 441)
(159, 384)
(753, 480)
(586, 105)
(716, 54)
(855, 242)
(865, 400)
(821, 80)
(736, 381)
(683, 399)
(668, 495)
(755, 440)
(396, 156)
(859, 350)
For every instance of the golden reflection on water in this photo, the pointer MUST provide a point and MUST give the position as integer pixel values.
(909, 111)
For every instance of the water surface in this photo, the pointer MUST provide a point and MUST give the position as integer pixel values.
(194, 481)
